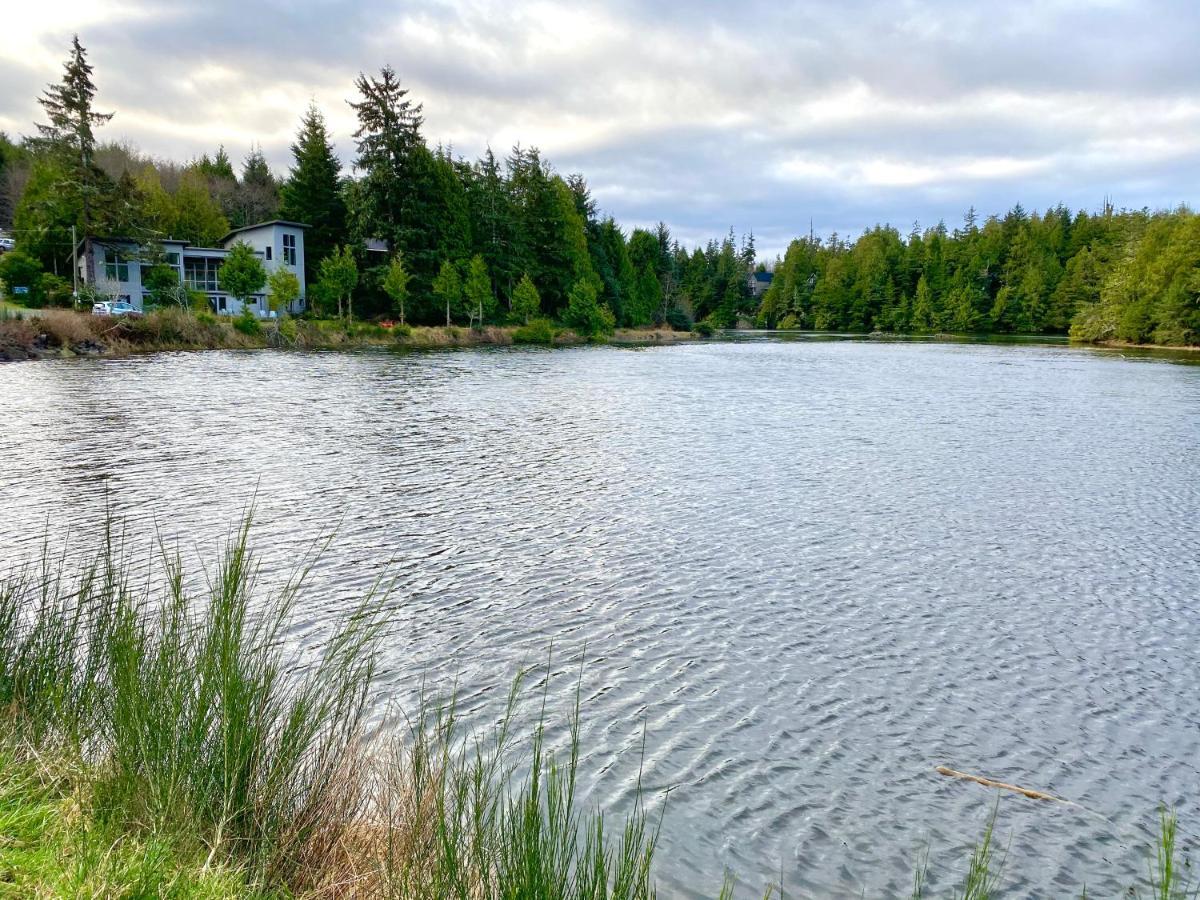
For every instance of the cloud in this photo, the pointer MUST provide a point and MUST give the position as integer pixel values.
(704, 114)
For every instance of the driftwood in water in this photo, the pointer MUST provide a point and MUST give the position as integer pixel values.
(988, 782)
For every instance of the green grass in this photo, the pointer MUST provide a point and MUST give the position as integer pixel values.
(50, 845)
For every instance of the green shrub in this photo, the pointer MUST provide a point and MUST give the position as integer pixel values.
(538, 331)
(789, 322)
(678, 319)
(585, 313)
(704, 328)
(247, 323)
(401, 330)
(19, 270)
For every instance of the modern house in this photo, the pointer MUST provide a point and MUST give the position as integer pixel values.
(114, 265)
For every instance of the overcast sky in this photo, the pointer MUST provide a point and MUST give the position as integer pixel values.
(707, 115)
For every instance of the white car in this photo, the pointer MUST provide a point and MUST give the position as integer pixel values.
(6, 244)
(120, 308)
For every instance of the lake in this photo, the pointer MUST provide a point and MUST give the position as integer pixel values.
(807, 572)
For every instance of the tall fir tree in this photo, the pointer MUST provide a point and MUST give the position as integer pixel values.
(313, 192)
(70, 133)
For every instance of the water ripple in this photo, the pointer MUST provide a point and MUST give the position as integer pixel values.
(807, 573)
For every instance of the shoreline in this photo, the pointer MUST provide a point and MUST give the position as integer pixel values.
(65, 334)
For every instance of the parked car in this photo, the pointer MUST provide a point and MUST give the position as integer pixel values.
(125, 308)
(6, 244)
(102, 308)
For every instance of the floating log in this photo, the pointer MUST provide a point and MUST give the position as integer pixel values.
(988, 782)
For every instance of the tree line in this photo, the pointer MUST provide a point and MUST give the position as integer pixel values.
(1127, 275)
(415, 232)
(411, 231)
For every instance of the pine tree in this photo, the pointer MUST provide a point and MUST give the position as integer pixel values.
(388, 140)
(312, 194)
(70, 132)
(526, 303)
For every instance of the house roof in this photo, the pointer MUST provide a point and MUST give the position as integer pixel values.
(264, 225)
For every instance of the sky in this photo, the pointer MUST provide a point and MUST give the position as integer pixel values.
(762, 117)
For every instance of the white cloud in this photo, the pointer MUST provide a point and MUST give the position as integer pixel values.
(702, 114)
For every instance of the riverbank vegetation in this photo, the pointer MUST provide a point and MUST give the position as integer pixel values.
(158, 740)
(1130, 276)
(52, 333)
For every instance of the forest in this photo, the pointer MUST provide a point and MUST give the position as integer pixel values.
(1110, 276)
(411, 229)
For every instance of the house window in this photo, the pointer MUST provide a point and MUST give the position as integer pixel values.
(116, 268)
(289, 249)
(200, 272)
(269, 249)
(220, 304)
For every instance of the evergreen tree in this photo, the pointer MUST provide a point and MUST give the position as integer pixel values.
(313, 193)
(257, 194)
(389, 145)
(526, 303)
(70, 135)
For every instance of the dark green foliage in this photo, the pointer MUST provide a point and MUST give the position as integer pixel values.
(19, 270)
(1112, 276)
(70, 137)
(313, 194)
(585, 313)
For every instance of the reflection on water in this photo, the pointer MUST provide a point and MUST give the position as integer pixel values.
(810, 571)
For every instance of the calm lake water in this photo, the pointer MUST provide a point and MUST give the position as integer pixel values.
(808, 572)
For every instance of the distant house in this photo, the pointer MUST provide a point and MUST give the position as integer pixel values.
(759, 282)
(114, 266)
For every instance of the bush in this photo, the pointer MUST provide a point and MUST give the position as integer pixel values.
(402, 330)
(247, 323)
(704, 328)
(20, 270)
(789, 322)
(678, 319)
(538, 331)
(56, 290)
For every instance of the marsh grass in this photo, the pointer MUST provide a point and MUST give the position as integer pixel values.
(461, 823)
(197, 721)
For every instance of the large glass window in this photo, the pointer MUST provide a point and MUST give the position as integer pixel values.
(116, 267)
(200, 272)
(289, 249)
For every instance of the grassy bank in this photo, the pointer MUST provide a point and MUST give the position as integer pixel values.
(63, 333)
(160, 743)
